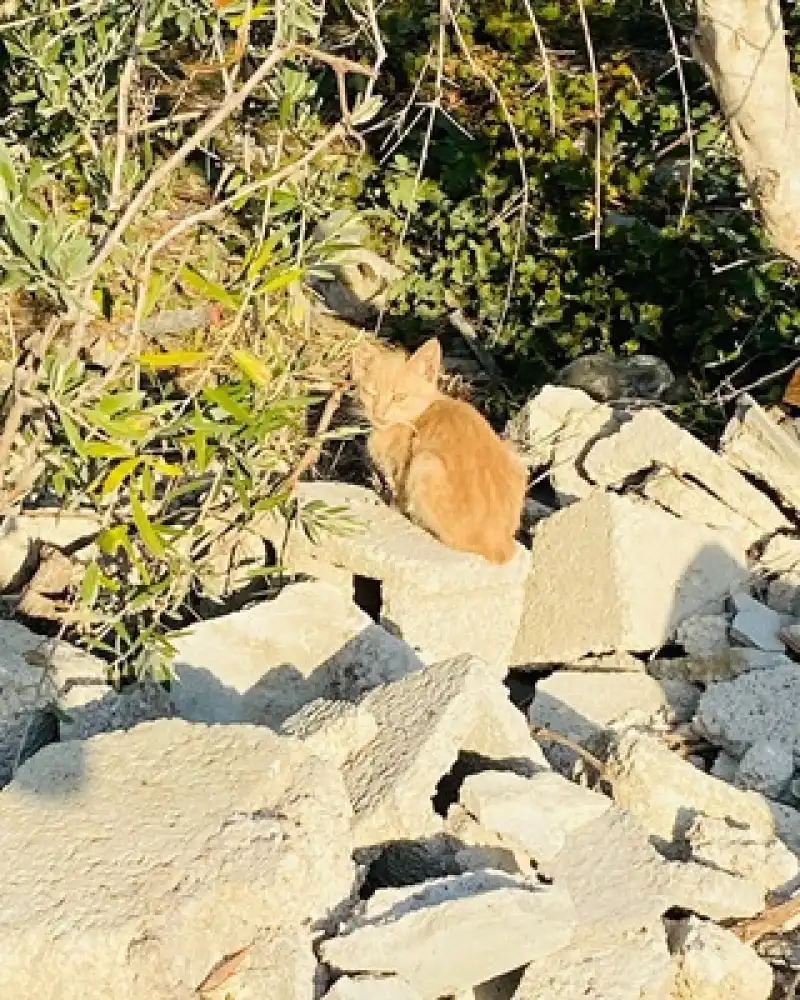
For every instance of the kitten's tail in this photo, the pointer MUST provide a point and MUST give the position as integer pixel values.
(499, 551)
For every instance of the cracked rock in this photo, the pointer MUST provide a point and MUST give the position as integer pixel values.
(712, 963)
(425, 721)
(579, 705)
(534, 814)
(667, 793)
(452, 934)
(735, 848)
(187, 844)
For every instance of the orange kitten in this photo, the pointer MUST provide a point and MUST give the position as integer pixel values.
(447, 468)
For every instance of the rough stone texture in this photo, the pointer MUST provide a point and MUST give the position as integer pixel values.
(424, 722)
(619, 882)
(731, 847)
(177, 845)
(441, 601)
(370, 988)
(36, 673)
(336, 730)
(714, 894)
(691, 502)
(533, 813)
(682, 697)
(592, 551)
(636, 967)
(722, 667)
(455, 933)
(760, 447)
(91, 715)
(280, 962)
(264, 663)
(713, 964)
(21, 536)
(554, 429)
(650, 439)
(704, 637)
(757, 707)
(787, 825)
(756, 625)
(781, 559)
(666, 793)
(581, 704)
(767, 768)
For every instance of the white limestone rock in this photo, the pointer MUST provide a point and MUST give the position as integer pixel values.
(533, 814)
(371, 988)
(655, 570)
(442, 602)
(650, 439)
(35, 674)
(635, 967)
(712, 963)
(424, 722)
(666, 793)
(554, 428)
(262, 664)
(732, 847)
(185, 844)
(452, 934)
(578, 704)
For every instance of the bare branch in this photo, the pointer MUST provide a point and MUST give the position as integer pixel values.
(687, 113)
(598, 126)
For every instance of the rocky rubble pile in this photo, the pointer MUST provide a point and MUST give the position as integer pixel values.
(415, 776)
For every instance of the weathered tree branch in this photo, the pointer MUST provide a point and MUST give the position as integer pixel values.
(740, 44)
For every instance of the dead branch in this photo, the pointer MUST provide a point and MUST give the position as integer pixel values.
(742, 49)
(774, 920)
(311, 455)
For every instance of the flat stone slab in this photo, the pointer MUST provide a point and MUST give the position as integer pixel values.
(614, 574)
(454, 933)
(134, 862)
(263, 664)
(443, 602)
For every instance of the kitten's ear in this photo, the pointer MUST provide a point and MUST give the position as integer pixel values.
(362, 361)
(427, 360)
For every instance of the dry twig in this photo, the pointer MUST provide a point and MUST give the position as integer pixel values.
(311, 455)
(774, 920)
(598, 125)
(687, 114)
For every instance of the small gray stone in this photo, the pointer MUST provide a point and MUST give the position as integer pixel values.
(757, 625)
(757, 707)
(767, 767)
